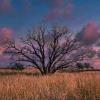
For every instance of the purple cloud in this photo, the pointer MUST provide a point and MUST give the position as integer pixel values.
(60, 9)
(5, 6)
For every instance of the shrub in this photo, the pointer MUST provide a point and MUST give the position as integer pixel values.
(17, 66)
(82, 66)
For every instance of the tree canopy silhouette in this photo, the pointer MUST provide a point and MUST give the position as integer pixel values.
(47, 51)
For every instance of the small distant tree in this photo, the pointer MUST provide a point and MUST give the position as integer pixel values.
(17, 66)
(47, 51)
(82, 66)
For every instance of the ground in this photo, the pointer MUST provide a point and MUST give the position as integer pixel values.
(28, 85)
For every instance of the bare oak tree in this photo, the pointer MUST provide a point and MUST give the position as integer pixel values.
(46, 51)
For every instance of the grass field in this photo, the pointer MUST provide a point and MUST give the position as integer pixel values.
(24, 85)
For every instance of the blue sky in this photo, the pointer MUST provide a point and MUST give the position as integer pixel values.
(24, 14)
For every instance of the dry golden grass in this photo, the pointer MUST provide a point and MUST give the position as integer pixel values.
(60, 86)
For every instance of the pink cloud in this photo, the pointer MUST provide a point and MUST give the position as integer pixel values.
(90, 33)
(89, 30)
(5, 33)
(5, 6)
(60, 9)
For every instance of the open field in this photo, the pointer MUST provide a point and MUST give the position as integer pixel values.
(24, 85)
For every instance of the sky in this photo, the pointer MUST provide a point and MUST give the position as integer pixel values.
(21, 15)
(80, 16)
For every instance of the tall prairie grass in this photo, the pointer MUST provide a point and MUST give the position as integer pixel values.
(60, 86)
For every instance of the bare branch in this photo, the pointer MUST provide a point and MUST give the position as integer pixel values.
(46, 55)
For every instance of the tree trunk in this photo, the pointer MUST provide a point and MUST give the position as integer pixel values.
(46, 72)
